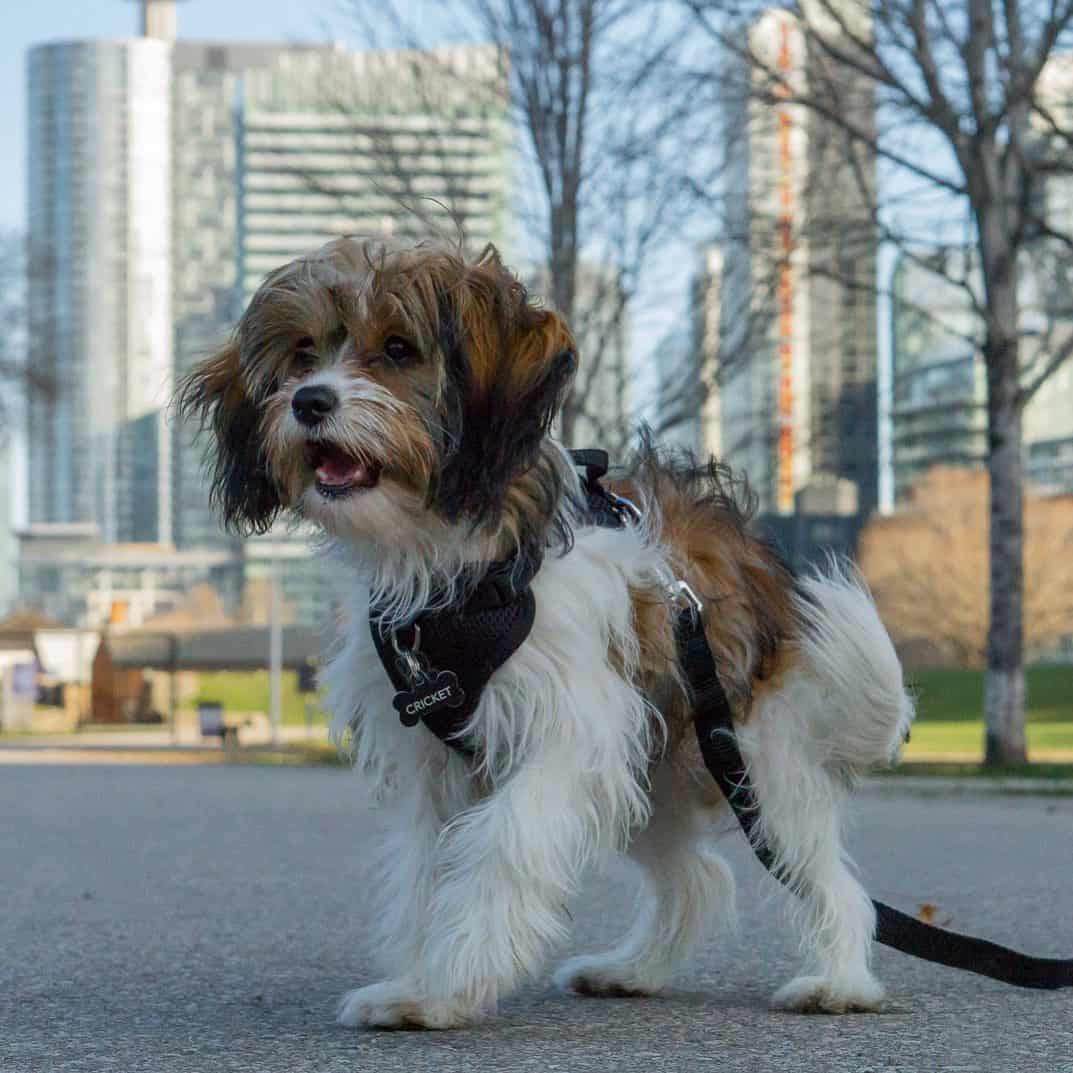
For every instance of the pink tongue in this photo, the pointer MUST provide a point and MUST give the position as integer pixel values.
(337, 470)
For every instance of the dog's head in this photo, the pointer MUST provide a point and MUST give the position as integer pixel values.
(373, 388)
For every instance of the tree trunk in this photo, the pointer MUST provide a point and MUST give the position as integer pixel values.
(1004, 688)
(568, 422)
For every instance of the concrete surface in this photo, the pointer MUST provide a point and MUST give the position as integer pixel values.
(165, 919)
(254, 729)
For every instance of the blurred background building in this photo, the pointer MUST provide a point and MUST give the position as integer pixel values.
(166, 179)
(938, 378)
(100, 281)
(784, 309)
(75, 577)
(284, 148)
(601, 329)
(168, 176)
(1049, 432)
(939, 383)
(689, 395)
(8, 546)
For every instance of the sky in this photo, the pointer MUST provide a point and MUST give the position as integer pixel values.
(24, 23)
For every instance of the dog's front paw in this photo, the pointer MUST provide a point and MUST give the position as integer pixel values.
(602, 977)
(860, 993)
(399, 1004)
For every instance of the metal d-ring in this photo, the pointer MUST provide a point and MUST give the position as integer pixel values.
(685, 591)
(679, 592)
(415, 647)
(409, 655)
(624, 505)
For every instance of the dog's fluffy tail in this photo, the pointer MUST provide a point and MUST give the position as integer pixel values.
(864, 712)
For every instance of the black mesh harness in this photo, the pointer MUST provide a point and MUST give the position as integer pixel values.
(440, 663)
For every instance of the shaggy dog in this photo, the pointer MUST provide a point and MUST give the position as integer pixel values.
(401, 398)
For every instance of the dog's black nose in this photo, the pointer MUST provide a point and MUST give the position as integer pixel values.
(312, 404)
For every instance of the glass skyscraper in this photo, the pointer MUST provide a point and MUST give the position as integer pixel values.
(794, 333)
(939, 382)
(99, 286)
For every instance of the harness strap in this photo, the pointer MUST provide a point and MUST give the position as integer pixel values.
(712, 719)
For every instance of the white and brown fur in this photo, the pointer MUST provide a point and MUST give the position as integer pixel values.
(585, 739)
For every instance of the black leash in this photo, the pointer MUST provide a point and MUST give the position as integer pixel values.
(441, 661)
(713, 722)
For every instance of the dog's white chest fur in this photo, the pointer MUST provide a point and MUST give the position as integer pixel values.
(558, 690)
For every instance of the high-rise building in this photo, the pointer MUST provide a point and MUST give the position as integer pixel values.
(939, 382)
(1048, 431)
(938, 385)
(167, 178)
(407, 143)
(99, 286)
(601, 330)
(688, 372)
(1048, 423)
(687, 405)
(797, 406)
(938, 400)
(207, 178)
(8, 588)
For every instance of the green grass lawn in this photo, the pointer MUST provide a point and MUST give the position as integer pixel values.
(247, 691)
(949, 708)
(950, 713)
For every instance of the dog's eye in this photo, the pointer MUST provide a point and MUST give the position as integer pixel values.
(304, 356)
(398, 349)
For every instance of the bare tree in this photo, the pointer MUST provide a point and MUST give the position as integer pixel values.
(970, 125)
(603, 174)
(16, 375)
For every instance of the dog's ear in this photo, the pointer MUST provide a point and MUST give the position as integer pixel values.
(215, 396)
(509, 367)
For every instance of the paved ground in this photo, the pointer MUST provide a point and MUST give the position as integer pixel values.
(206, 919)
(254, 729)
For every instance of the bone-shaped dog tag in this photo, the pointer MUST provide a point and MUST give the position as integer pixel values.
(437, 692)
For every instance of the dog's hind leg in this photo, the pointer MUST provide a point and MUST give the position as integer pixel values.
(801, 821)
(800, 802)
(839, 708)
(687, 888)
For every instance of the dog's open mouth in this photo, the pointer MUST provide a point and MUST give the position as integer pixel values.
(338, 473)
